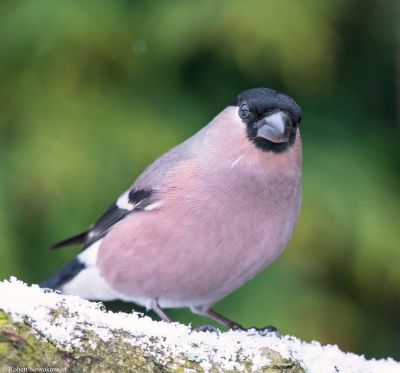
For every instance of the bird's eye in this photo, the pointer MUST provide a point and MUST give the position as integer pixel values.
(244, 111)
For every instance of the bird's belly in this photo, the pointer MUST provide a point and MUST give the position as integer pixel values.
(195, 257)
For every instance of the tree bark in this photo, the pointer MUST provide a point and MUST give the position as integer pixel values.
(23, 349)
(43, 331)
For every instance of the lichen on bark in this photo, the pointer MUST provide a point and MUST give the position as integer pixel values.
(22, 346)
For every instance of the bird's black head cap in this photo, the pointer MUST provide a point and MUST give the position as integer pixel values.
(257, 104)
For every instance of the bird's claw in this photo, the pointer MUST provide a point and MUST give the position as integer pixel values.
(206, 328)
(236, 327)
(269, 329)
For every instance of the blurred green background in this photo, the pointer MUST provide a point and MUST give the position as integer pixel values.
(92, 92)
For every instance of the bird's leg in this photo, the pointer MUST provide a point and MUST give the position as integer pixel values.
(160, 312)
(232, 325)
(222, 320)
(229, 323)
(216, 317)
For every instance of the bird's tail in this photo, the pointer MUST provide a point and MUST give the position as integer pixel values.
(64, 275)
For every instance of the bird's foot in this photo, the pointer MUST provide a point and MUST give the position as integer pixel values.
(269, 329)
(234, 326)
(206, 328)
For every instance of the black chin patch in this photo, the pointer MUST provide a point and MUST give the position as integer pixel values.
(270, 146)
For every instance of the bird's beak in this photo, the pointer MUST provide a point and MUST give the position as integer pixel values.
(274, 127)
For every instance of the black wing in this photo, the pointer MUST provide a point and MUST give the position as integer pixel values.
(137, 200)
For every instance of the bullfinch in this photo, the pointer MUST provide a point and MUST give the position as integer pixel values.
(203, 219)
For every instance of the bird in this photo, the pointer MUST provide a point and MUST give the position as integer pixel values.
(201, 220)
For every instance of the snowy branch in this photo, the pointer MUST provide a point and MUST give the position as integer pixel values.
(59, 333)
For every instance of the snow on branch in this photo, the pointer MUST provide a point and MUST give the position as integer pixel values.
(40, 329)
